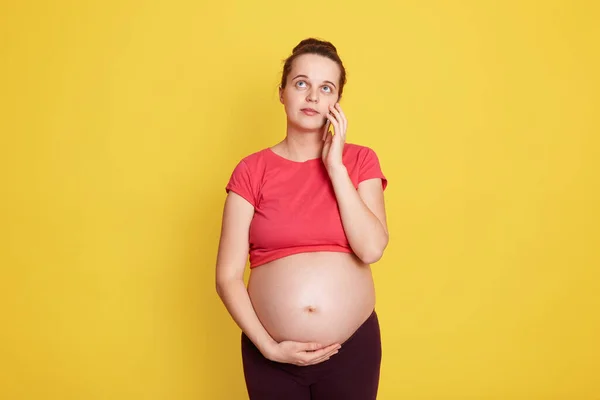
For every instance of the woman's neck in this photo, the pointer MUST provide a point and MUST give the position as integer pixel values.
(302, 146)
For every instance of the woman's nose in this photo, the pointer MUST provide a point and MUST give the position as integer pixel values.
(313, 96)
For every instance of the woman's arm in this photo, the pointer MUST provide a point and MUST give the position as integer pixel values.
(363, 214)
(363, 209)
(231, 263)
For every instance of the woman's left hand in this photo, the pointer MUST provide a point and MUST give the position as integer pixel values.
(334, 144)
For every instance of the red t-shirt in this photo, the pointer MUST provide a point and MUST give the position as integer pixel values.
(295, 208)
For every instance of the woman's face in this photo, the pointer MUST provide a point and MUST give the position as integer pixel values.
(311, 87)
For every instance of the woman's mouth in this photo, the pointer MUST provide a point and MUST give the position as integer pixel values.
(309, 111)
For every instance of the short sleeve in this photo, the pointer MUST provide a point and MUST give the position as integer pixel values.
(240, 182)
(370, 168)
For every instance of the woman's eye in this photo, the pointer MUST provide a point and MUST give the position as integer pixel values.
(300, 83)
(327, 89)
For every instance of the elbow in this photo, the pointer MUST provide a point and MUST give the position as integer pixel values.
(219, 289)
(222, 285)
(371, 255)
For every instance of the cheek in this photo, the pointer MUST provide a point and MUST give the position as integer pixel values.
(291, 100)
(289, 106)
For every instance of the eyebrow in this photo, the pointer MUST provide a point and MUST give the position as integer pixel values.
(304, 76)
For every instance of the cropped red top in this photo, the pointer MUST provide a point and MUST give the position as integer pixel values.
(295, 206)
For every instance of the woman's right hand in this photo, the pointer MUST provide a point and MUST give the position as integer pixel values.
(299, 353)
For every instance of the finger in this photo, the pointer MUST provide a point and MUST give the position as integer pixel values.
(309, 346)
(334, 122)
(321, 352)
(316, 349)
(310, 357)
(329, 351)
(338, 138)
(341, 119)
(328, 141)
(338, 120)
(322, 359)
(326, 129)
(325, 151)
(333, 110)
(316, 362)
(314, 358)
(343, 116)
(328, 138)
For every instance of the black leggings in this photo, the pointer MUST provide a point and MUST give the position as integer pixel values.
(351, 374)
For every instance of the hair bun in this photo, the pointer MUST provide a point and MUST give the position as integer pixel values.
(312, 42)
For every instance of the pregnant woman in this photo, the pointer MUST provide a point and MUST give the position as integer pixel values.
(309, 212)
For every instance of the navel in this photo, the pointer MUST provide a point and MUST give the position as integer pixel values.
(311, 309)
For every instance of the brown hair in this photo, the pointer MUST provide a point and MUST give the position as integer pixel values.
(314, 46)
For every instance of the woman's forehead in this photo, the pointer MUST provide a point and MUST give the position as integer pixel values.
(315, 67)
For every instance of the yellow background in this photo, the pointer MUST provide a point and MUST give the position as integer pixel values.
(122, 120)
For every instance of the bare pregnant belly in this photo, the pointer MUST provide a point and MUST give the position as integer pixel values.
(312, 297)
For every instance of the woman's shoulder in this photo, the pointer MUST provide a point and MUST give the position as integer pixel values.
(355, 147)
(255, 157)
(358, 151)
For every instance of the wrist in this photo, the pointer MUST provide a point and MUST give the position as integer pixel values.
(266, 346)
(337, 170)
